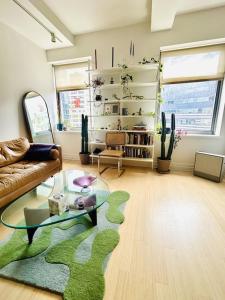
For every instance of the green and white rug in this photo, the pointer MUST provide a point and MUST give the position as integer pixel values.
(67, 258)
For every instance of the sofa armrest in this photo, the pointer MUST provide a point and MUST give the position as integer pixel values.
(59, 148)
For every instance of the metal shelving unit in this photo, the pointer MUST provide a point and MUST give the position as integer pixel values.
(99, 125)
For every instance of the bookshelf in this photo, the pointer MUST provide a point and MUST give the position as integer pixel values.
(136, 110)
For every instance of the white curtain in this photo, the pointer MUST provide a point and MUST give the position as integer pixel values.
(194, 64)
(71, 76)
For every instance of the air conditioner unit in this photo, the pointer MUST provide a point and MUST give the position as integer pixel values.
(210, 166)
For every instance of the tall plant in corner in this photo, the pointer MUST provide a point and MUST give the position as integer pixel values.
(84, 154)
(164, 160)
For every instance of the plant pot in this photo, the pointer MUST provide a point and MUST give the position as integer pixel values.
(163, 165)
(84, 158)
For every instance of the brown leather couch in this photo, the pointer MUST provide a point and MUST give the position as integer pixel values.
(18, 176)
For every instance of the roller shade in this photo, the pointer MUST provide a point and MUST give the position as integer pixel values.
(71, 76)
(195, 64)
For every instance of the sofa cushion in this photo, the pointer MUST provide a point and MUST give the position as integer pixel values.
(24, 172)
(13, 151)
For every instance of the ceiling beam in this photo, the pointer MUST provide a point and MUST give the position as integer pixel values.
(163, 14)
(49, 17)
(34, 20)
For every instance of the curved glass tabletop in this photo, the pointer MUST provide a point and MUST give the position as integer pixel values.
(36, 201)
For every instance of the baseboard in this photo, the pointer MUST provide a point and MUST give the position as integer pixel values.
(182, 166)
(174, 166)
(179, 166)
(70, 156)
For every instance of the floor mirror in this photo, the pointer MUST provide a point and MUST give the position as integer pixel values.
(37, 118)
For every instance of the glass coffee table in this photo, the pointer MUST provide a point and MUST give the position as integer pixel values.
(31, 210)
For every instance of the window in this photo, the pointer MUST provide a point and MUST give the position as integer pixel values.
(194, 104)
(191, 87)
(74, 104)
(72, 93)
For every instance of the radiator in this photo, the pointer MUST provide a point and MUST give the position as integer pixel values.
(210, 166)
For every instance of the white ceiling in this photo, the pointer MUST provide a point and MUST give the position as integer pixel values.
(186, 6)
(81, 16)
(165, 11)
(67, 18)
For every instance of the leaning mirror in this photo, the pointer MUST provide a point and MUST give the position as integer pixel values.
(37, 118)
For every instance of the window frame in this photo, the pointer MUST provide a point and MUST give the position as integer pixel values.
(216, 108)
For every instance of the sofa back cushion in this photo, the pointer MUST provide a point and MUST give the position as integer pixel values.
(13, 151)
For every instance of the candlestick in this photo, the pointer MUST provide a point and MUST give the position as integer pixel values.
(96, 64)
(112, 57)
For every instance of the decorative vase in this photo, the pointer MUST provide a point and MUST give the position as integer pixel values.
(84, 158)
(59, 127)
(84, 181)
(163, 165)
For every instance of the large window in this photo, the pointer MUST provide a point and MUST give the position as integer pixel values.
(191, 87)
(72, 93)
(194, 103)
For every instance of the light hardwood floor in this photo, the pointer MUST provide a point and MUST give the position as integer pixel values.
(172, 244)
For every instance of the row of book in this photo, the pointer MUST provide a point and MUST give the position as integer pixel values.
(139, 139)
(137, 152)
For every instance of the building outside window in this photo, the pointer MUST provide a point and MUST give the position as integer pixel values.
(74, 103)
(191, 87)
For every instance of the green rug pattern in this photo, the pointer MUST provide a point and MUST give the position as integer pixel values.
(67, 258)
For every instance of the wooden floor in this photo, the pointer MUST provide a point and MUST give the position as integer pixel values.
(172, 243)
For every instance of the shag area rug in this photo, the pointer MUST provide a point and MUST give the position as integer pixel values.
(67, 258)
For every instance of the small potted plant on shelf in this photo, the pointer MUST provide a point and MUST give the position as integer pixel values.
(84, 154)
(163, 162)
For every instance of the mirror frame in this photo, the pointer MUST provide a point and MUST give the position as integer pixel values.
(27, 119)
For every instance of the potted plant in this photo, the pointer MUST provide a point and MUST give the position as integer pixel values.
(175, 137)
(84, 154)
(164, 160)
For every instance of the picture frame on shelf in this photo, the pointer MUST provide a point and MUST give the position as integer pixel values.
(115, 109)
(107, 109)
(111, 109)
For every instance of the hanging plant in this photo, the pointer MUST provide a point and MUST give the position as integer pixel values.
(160, 68)
(124, 67)
(159, 98)
(97, 83)
(146, 61)
(125, 79)
(150, 114)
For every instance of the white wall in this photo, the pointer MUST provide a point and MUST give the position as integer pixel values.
(192, 27)
(23, 67)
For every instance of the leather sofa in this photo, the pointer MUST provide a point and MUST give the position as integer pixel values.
(17, 175)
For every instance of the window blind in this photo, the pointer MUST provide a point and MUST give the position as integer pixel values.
(194, 64)
(71, 76)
